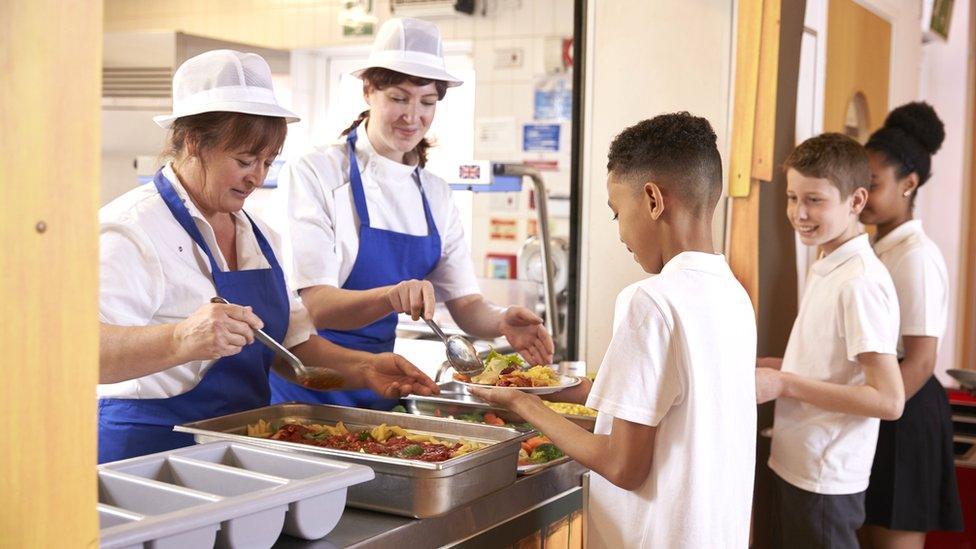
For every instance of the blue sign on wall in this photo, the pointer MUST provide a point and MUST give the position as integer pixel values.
(540, 138)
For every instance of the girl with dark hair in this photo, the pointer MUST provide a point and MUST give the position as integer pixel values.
(913, 481)
(373, 234)
(167, 354)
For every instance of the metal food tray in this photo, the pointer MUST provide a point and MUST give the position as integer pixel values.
(226, 493)
(455, 400)
(404, 487)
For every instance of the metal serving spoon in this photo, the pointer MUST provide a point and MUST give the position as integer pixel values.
(460, 352)
(313, 377)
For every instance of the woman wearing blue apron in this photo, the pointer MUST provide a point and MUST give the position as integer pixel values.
(373, 234)
(168, 355)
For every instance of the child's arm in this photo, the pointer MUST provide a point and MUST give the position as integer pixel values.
(623, 457)
(882, 395)
(919, 362)
(774, 362)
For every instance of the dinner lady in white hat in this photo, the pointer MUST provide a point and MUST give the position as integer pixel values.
(168, 355)
(371, 233)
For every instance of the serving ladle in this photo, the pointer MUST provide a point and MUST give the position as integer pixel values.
(460, 352)
(312, 377)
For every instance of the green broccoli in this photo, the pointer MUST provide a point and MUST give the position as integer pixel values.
(545, 453)
(512, 359)
(412, 450)
(475, 417)
(399, 408)
(364, 436)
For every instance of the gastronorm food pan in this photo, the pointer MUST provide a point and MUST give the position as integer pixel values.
(402, 486)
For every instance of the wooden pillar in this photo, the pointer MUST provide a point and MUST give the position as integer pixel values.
(761, 245)
(50, 104)
(966, 338)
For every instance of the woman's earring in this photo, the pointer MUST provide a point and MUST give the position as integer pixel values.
(906, 194)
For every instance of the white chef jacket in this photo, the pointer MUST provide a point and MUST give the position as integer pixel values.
(316, 216)
(151, 272)
(682, 359)
(921, 280)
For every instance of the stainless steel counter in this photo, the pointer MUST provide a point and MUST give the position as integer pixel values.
(526, 504)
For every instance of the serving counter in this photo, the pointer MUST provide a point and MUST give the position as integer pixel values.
(547, 505)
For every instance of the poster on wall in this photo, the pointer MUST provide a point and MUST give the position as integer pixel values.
(494, 135)
(540, 137)
(553, 97)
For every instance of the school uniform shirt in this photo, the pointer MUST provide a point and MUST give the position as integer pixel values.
(682, 359)
(315, 213)
(919, 273)
(849, 307)
(151, 272)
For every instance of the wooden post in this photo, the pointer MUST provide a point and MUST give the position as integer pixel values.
(50, 100)
(761, 247)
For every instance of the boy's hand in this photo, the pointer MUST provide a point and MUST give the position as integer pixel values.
(769, 384)
(576, 394)
(506, 398)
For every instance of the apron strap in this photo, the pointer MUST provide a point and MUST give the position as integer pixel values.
(359, 195)
(182, 215)
(356, 180)
(431, 227)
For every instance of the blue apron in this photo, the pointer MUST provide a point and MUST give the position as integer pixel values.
(135, 427)
(384, 258)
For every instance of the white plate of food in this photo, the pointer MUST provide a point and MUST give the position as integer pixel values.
(511, 372)
(564, 382)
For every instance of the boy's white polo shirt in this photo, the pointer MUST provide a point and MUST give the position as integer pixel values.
(921, 279)
(849, 307)
(682, 358)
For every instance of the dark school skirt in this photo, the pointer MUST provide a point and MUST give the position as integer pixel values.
(913, 479)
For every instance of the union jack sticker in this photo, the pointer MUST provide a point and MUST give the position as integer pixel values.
(469, 171)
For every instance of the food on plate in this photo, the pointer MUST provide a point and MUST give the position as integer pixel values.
(538, 449)
(511, 371)
(383, 440)
(570, 409)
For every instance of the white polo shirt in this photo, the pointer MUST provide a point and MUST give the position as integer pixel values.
(315, 213)
(849, 307)
(921, 279)
(682, 358)
(151, 272)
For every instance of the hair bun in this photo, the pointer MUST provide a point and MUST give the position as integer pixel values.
(918, 120)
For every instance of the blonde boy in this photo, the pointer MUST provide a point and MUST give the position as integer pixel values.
(674, 447)
(839, 373)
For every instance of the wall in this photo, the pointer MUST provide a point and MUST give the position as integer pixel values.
(644, 58)
(858, 60)
(49, 271)
(940, 202)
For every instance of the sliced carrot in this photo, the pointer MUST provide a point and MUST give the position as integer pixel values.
(492, 419)
(526, 447)
(536, 441)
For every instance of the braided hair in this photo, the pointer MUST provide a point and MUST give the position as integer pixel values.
(911, 134)
(380, 79)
